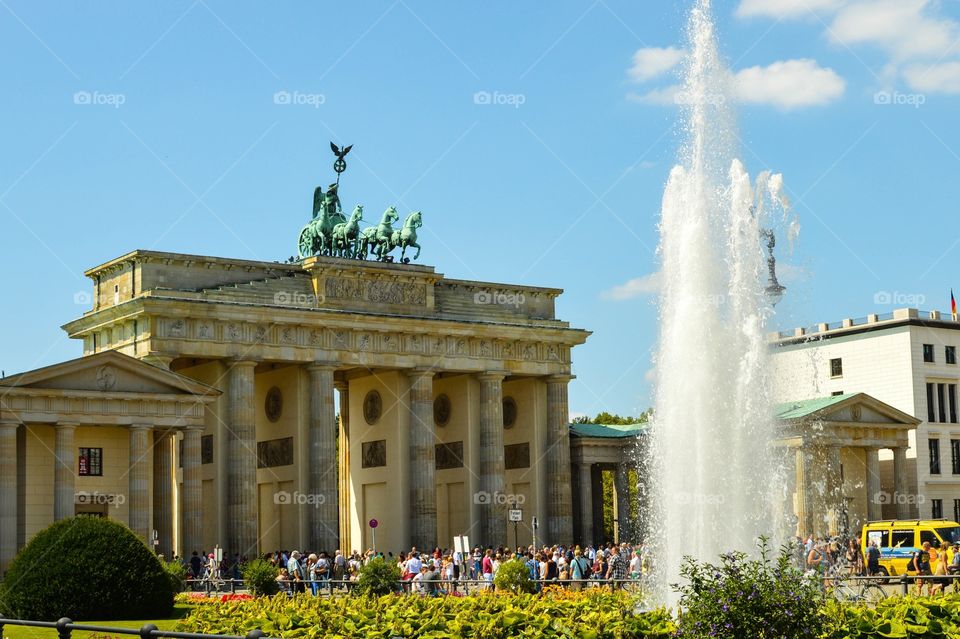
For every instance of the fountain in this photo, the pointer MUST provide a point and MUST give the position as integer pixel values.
(714, 480)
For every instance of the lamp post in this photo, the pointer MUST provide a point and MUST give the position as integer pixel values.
(774, 290)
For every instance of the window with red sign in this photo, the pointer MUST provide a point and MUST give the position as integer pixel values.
(91, 462)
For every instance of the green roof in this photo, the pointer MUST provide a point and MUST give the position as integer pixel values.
(804, 407)
(607, 430)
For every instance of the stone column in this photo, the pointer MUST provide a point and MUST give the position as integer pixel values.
(192, 514)
(621, 487)
(163, 442)
(834, 486)
(323, 515)
(139, 483)
(8, 493)
(493, 516)
(803, 501)
(559, 499)
(874, 497)
(900, 487)
(241, 460)
(422, 461)
(586, 504)
(65, 471)
(343, 456)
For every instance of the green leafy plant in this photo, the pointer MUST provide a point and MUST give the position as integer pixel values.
(592, 614)
(86, 568)
(513, 576)
(261, 577)
(742, 597)
(177, 573)
(378, 577)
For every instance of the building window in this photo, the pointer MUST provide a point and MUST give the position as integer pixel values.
(836, 393)
(928, 353)
(956, 509)
(941, 388)
(931, 409)
(937, 508)
(950, 354)
(934, 456)
(955, 456)
(90, 462)
(836, 367)
(952, 402)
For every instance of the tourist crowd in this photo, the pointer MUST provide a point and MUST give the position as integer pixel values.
(445, 569)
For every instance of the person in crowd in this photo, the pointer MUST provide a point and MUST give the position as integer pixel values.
(636, 565)
(920, 564)
(283, 581)
(339, 566)
(486, 568)
(579, 570)
(854, 559)
(873, 559)
(310, 570)
(295, 572)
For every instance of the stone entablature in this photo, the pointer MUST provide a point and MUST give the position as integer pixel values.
(339, 310)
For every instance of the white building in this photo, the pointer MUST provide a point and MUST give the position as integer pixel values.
(907, 359)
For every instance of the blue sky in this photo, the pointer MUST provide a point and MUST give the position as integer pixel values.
(536, 137)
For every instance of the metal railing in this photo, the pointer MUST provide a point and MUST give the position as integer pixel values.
(148, 631)
(902, 581)
(464, 586)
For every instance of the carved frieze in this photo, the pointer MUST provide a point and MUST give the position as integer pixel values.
(375, 291)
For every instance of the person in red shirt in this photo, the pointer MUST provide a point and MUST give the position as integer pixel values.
(486, 568)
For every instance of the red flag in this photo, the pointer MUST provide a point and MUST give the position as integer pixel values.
(953, 303)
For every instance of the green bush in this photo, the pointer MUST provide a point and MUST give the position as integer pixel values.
(742, 597)
(513, 576)
(261, 577)
(177, 573)
(86, 568)
(378, 577)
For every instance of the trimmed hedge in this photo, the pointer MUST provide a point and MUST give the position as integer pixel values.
(86, 568)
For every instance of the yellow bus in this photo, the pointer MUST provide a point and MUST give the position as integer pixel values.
(898, 539)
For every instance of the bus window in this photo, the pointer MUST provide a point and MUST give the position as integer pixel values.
(927, 535)
(880, 537)
(902, 539)
(949, 534)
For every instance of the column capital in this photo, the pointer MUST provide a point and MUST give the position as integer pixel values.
(66, 424)
(420, 371)
(240, 362)
(191, 429)
(492, 376)
(341, 385)
(141, 426)
(559, 378)
(322, 366)
(161, 360)
(9, 422)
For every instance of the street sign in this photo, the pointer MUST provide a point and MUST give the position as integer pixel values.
(516, 514)
(534, 523)
(458, 544)
(374, 523)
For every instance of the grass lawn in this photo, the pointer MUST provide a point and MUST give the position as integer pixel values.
(19, 632)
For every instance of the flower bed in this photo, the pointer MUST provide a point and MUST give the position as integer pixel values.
(591, 615)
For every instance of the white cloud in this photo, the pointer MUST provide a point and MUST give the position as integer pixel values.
(637, 287)
(789, 84)
(653, 61)
(785, 9)
(905, 29)
(936, 78)
(664, 96)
